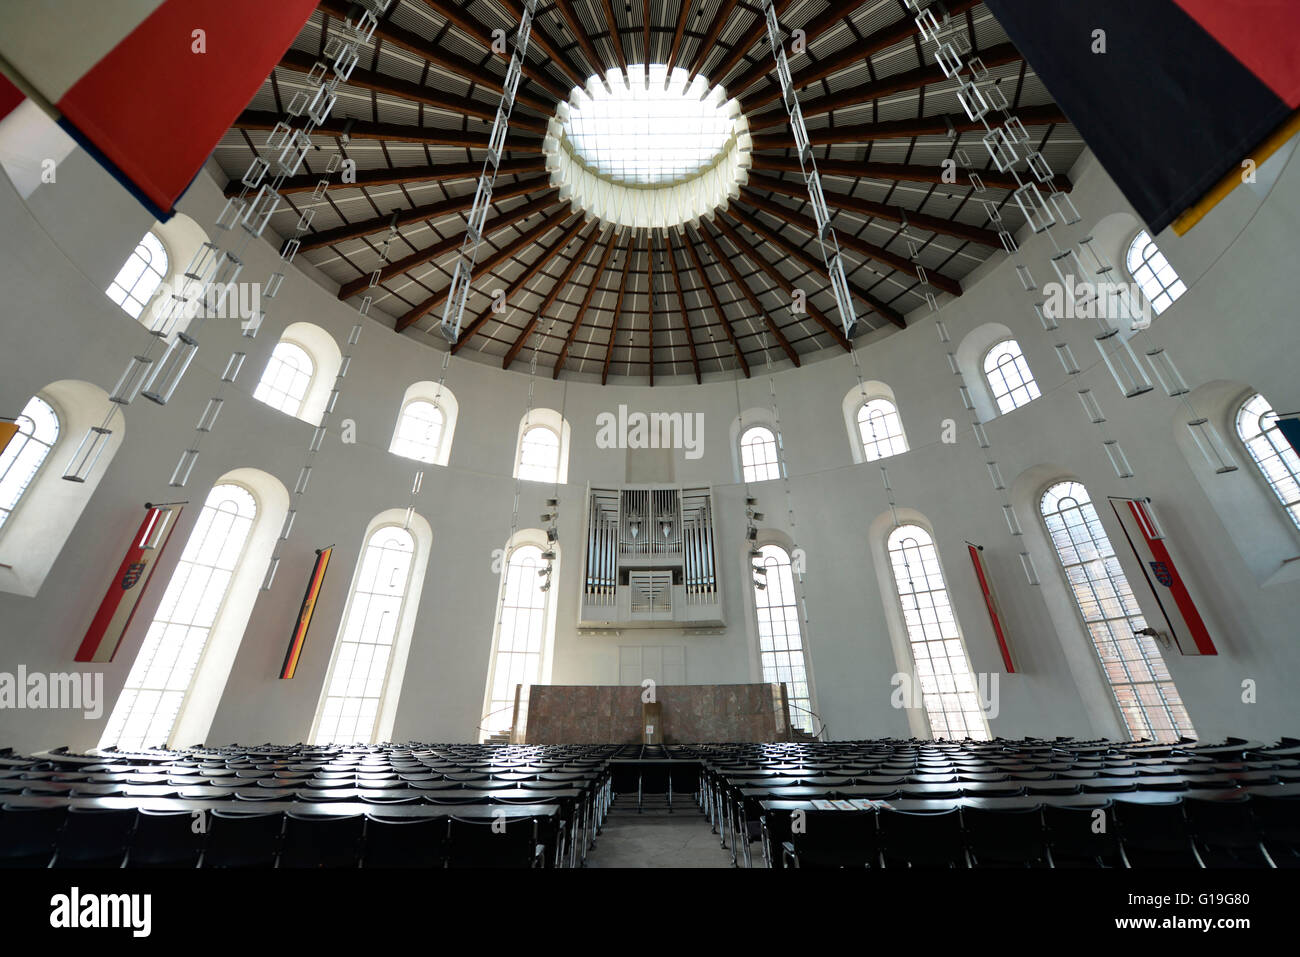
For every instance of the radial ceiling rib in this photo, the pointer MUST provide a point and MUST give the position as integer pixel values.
(941, 125)
(755, 39)
(441, 173)
(615, 38)
(392, 132)
(706, 46)
(774, 274)
(856, 52)
(618, 307)
(691, 252)
(866, 208)
(895, 172)
(678, 33)
(817, 266)
(511, 249)
(671, 256)
(523, 279)
(648, 56)
(556, 288)
(447, 245)
(480, 33)
(610, 246)
(748, 293)
(848, 241)
(458, 106)
(419, 47)
(867, 92)
(594, 59)
(432, 212)
(558, 56)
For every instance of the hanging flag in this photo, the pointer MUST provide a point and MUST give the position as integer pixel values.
(991, 603)
(1288, 423)
(118, 607)
(1170, 95)
(147, 87)
(290, 666)
(1182, 621)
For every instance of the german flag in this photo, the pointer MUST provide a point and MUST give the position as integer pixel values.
(305, 612)
(1170, 95)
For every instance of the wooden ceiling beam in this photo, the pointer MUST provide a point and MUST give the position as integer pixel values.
(866, 92)
(940, 125)
(757, 35)
(393, 132)
(615, 37)
(457, 106)
(484, 268)
(748, 293)
(689, 245)
(445, 246)
(678, 34)
(892, 172)
(479, 32)
(423, 49)
(538, 36)
(594, 60)
(715, 28)
(752, 254)
(810, 262)
(581, 317)
(618, 309)
(671, 256)
(431, 212)
(866, 208)
(556, 288)
(848, 241)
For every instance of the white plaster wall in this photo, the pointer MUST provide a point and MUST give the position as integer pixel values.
(1236, 323)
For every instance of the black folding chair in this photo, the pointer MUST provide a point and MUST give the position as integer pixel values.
(318, 840)
(95, 837)
(29, 835)
(165, 839)
(924, 839)
(1005, 837)
(242, 838)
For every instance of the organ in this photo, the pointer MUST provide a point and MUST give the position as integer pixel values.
(651, 559)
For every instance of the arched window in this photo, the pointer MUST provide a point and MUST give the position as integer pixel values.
(1277, 461)
(140, 276)
(163, 673)
(539, 455)
(1151, 270)
(881, 429)
(1009, 377)
(1132, 663)
(947, 682)
(22, 458)
(363, 655)
(419, 431)
(521, 634)
(759, 460)
(780, 636)
(286, 378)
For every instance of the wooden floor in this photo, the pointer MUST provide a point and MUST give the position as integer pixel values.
(657, 838)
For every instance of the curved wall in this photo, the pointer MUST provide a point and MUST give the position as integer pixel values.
(1235, 323)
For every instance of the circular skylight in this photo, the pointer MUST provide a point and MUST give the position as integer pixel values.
(648, 147)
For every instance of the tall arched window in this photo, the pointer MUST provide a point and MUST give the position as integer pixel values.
(22, 458)
(140, 276)
(1009, 377)
(521, 635)
(286, 378)
(1151, 270)
(780, 636)
(163, 672)
(539, 455)
(1132, 663)
(759, 459)
(363, 655)
(1277, 461)
(881, 429)
(419, 431)
(947, 682)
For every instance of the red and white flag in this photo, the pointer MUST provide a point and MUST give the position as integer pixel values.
(119, 604)
(991, 603)
(1183, 622)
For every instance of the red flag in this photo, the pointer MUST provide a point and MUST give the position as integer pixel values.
(991, 603)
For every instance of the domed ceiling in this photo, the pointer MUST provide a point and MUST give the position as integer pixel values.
(649, 218)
